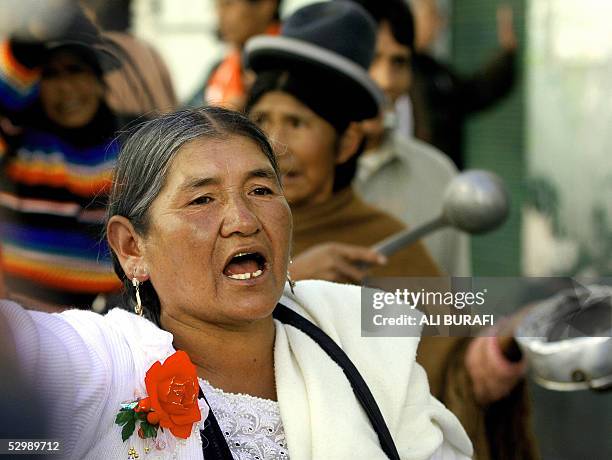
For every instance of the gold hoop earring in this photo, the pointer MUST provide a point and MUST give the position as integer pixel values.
(138, 307)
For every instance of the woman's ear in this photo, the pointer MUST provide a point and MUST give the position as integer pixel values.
(349, 142)
(127, 245)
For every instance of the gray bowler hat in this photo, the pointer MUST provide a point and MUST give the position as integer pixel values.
(330, 43)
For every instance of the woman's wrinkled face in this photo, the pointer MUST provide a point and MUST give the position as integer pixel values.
(219, 233)
(305, 146)
(70, 91)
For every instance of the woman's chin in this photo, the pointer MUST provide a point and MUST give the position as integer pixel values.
(253, 297)
(253, 309)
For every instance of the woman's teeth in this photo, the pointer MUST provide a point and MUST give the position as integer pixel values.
(246, 276)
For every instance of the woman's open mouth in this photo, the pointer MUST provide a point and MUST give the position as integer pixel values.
(245, 266)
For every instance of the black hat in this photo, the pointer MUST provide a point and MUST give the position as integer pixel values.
(82, 35)
(331, 44)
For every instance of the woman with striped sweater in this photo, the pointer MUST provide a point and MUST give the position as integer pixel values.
(58, 147)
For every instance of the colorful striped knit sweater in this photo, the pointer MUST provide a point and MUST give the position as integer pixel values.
(52, 191)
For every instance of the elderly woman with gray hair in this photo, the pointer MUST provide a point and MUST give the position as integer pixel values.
(222, 356)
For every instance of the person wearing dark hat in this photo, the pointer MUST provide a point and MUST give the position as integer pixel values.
(311, 89)
(311, 85)
(56, 166)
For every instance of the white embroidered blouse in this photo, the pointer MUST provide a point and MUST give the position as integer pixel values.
(252, 426)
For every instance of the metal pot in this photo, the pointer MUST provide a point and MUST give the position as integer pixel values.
(568, 339)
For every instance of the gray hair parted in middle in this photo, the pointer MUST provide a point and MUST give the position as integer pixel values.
(143, 164)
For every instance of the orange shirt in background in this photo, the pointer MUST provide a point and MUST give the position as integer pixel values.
(226, 87)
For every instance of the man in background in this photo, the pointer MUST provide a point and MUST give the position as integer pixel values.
(238, 20)
(402, 175)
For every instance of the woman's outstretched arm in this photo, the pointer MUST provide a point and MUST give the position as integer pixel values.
(55, 365)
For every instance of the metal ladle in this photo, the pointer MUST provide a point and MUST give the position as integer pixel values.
(476, 201)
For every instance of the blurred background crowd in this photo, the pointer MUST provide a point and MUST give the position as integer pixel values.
(537, 135)
(519, 87)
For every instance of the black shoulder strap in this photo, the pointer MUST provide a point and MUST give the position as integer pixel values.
(213, 442)
(360, 387)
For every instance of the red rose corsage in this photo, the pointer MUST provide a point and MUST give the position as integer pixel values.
(171, 405)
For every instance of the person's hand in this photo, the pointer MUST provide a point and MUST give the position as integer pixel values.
(335, 262)
(493, 375)
(505, 28)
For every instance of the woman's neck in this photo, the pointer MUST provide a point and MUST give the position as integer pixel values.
(234, 359)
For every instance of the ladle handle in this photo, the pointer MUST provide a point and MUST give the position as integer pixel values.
(400, 240)
(510, 349)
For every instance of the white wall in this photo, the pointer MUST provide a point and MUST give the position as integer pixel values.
(569, 116)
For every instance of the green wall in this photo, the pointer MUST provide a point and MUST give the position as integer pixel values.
(494, 138)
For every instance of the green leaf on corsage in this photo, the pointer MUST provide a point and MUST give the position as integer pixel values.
(148, 430)
(128, 429)
(123, 417)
